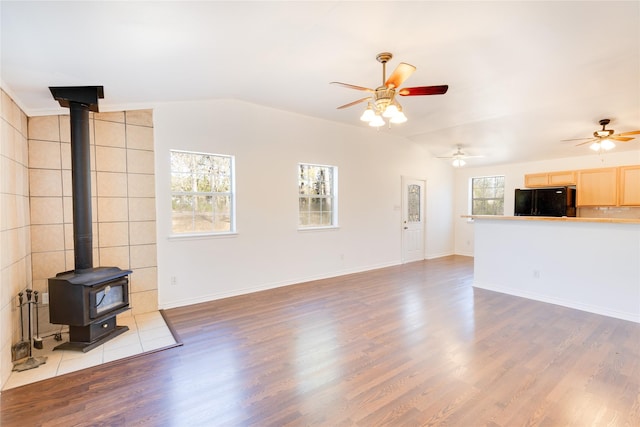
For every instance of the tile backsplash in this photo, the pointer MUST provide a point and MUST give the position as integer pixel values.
(623, 212)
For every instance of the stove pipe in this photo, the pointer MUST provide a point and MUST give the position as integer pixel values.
(80, 100)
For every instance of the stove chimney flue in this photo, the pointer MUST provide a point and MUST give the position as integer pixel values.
(80, 100)
(89, 298)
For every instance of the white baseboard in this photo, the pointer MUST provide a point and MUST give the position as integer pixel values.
(463, 253)
(266, 286)
(438, 255)
(605, 311)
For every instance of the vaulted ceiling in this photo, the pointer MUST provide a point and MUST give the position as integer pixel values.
(522, 76)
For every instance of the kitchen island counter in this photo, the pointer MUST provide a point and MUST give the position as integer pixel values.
(590, 264)
(556, 218)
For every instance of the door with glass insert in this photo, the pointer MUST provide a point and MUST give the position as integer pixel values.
(413, 203)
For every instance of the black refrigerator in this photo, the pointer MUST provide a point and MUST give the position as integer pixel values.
(560, 201)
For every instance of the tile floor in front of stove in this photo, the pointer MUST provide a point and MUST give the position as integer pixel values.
(147, 332)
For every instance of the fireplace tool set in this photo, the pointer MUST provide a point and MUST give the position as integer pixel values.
(23, 349)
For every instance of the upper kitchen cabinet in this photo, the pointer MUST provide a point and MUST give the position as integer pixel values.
(536, 180)
(562, 178)
(550, 179)
(597, 187)
(629, 185)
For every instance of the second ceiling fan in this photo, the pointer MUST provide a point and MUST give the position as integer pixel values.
(458, 157)
(382, 101)
(603, 139)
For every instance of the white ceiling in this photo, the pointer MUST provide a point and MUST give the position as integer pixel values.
(522, 76)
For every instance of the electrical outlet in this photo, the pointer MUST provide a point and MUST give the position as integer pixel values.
(536, 274)
(45, 298)
(174, 281)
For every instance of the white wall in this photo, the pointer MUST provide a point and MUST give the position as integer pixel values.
(269, 250)
(514, 178)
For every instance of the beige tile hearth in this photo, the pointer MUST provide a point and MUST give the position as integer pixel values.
(147, 332)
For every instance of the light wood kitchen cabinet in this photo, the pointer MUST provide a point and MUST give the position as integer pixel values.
(550, 179)
(597, 187)
(629, 185)
(562, 178)
(536, 180)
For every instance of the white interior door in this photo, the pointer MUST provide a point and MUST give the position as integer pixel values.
(413, 203)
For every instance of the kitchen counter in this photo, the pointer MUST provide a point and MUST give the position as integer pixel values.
(589, 264)
(555, 218)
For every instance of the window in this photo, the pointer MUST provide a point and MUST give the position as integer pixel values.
(487, 195)
(202, 193)
(317, 199)
(413, 203)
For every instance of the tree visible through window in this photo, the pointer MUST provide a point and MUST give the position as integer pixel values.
(487, 195)
(317, 199)
(202, 193)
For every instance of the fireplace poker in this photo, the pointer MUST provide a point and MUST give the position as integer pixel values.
(37, 341)
(29, 292)
(21, 300)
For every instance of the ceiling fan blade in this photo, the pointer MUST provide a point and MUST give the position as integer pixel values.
(576, 139)
(424, 90)
(586, 142)
(621, 138)
(399, 75)
(347, 85)
(460, 156)
(353, 103)
(633, 132)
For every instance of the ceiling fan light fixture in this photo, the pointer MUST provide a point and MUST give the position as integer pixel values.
(377, 121)
(458, 162)
(607, 144)
(603, 145)
(391, 111)
(398, 118)
(368, 114)
(602, 133)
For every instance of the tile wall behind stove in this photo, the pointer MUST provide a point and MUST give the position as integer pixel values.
(15, 241)
(123, 200)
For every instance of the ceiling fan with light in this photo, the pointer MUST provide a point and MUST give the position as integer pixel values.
(382, 102)
(458, 157)
(603, 139)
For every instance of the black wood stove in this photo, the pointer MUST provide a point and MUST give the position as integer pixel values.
(86, 298)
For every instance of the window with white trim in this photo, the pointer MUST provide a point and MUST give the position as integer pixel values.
(202, 193)
(487, 195)
(317, 196)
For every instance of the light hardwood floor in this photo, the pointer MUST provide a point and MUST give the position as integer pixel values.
(412, 345)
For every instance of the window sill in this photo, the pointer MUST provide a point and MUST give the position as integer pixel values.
(196, 236)
(330, 228)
